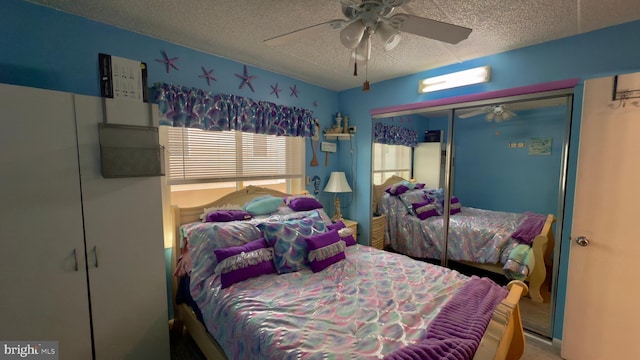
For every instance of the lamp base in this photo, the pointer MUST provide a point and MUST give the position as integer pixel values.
(337, 214)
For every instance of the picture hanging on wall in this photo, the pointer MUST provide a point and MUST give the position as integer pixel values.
(626, 86)
(540, 146)
(122, 78)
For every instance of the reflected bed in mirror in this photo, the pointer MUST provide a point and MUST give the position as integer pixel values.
(500, 242)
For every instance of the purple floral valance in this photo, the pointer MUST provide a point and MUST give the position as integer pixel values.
(182, 106)
(394, 135)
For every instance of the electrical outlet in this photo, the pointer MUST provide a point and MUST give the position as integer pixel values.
(352, 129)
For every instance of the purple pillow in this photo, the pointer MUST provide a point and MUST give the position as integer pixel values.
(425, 209)
(419, 186)
(239, 263)
(455, 206)
(227, 215)
(303, 203)
(324, 249)
(397, 189)
(346, 234)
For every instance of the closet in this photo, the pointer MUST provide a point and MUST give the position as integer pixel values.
(83, 259)
(501, 151)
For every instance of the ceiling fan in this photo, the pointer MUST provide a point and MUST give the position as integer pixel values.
(367, 18)
(494, 113)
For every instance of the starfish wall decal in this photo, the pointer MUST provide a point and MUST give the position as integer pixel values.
(294, 90)
(207, 75)
(275, 91)
(246, 79)
(170, 62)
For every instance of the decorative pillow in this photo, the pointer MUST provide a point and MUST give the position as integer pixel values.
(455, 206)
(264, 205)
(324, 249)
(287, 240)
(239, 263)
(408, 184)
(303, 202)
(346, 234)
(437, 197)
(206, 211)
(397, 189)
(424, 209)
(408, 198)
(227, 215)
(419, 186)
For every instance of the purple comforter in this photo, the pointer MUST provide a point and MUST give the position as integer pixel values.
(456, 331)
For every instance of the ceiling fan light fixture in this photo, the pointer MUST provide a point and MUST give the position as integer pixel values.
(352, 35)
(461, 78)
(362, 53)
(389, 35)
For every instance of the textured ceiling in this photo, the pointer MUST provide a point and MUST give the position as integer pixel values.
(236, 29)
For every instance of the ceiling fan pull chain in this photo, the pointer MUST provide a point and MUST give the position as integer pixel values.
(355, 68)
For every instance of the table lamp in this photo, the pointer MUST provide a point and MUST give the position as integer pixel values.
(337, 184)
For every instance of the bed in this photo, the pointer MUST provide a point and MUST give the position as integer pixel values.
(369, 304)
(479, 238)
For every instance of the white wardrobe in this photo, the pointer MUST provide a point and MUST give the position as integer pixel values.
(82, 256)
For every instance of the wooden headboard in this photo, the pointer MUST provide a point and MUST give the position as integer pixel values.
(238, 198)
(378, 190)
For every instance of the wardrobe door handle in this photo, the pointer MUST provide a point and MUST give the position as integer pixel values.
(95, 254)
(75, 259)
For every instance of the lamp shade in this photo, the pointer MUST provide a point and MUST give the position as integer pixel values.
(351, 35)
(337, 183)
(389, 35)
(362, 52)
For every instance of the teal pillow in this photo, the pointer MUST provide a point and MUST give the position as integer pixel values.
(264, 205)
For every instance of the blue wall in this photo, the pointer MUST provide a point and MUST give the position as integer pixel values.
(600, 53)
(48, 49)
(490, 175)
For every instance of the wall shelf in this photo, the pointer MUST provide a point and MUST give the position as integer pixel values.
(338, 136)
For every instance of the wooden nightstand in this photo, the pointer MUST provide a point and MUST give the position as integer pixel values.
(353, 225)
(378, 227)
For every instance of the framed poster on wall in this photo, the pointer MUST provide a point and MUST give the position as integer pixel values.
(122, 78)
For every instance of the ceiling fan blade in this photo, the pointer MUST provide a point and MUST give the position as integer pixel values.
(509, 114)
(305, 33)
(473, 113)
(432, 29)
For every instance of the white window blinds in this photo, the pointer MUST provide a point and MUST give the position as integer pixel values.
(197, 156)
(390, 160)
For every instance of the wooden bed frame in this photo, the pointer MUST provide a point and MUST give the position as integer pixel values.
(542, 247)
(503, 339)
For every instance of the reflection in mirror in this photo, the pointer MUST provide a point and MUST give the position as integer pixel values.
(505, 176)
(508, 161)
(400, 144)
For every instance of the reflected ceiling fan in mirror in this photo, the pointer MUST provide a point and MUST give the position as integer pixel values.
(493, 113)
(367, 20)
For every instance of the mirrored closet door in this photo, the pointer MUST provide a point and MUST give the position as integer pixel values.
(494, 172)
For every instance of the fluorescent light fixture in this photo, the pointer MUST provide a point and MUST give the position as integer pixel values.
(461, 78)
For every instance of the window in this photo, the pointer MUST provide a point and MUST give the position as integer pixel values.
(205, 165)
(390, 160)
